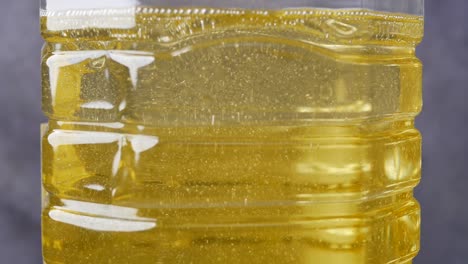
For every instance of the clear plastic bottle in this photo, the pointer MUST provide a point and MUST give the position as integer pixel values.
(231, 131)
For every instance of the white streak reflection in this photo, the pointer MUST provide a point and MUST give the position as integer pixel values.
(181, 51)
(142, 143)
(101, 217)
(62, 138)
(103, 105)
(139, 143)
(95, 187)
(115, 125)
(133, 61)
(100, 224)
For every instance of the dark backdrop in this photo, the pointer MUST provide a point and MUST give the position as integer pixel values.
(443, 192)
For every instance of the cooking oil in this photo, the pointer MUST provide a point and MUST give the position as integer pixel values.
(202, 135)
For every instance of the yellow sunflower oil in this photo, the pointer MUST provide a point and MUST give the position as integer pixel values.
(203, 135)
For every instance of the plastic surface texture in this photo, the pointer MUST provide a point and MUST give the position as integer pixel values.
(415, 7)
(230, 132)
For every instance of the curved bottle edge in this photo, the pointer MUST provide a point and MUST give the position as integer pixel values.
(413, 7)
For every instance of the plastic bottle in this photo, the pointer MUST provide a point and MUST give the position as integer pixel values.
(231, 131)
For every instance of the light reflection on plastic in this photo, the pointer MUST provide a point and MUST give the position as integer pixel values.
(101, 217)
(63, 5)
(100, 224)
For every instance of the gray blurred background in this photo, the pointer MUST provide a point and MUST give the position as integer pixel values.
(443, 192)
